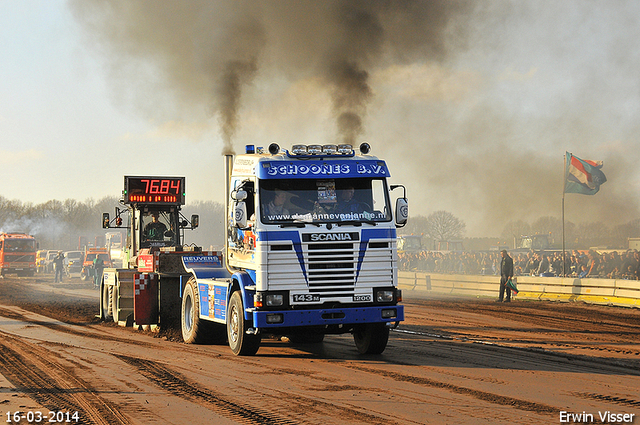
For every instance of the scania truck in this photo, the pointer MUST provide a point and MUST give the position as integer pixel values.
(310, 250)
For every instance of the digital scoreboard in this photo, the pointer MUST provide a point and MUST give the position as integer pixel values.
(154, 190)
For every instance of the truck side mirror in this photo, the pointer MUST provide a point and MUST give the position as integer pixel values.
(105, 220)
(402, 212)
(239, 195)
(195, 221)
(240, 215)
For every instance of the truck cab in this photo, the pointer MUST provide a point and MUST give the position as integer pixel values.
(41, 258)
(311, 245)
(17, 254)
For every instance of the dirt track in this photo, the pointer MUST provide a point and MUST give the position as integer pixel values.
(451, 361)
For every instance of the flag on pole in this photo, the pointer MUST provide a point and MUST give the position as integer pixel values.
(583, 176)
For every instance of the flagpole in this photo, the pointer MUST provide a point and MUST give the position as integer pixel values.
(564, 183)
(564, 259)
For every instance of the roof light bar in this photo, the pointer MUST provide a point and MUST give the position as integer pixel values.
(314, 149)
(299, 149)
(329, 149)
(345, 149)
(324, 150)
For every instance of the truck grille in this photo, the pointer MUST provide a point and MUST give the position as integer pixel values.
(19, 258)
(331, 267)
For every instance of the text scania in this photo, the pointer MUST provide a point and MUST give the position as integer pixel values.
(325, 169)
(330, 237)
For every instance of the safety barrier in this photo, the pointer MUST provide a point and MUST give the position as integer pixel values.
(594, 291)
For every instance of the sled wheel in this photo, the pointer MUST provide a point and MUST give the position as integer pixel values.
(371, 338)
(106, 303)
(240, 342)
(114, 303)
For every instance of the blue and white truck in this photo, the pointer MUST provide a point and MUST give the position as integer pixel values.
(310, 250)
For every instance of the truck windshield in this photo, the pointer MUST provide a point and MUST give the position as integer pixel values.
(158, 229)
(19, 245)
(324, 201)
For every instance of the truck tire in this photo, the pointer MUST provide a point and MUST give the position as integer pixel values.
(194, 329)
(192, 332)
(83, 275)
(241, 343)
(371, 338)
(106, 303)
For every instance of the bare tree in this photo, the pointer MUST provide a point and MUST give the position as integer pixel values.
(415, 226)
(515, 229)
(444, 226)
(592, 234)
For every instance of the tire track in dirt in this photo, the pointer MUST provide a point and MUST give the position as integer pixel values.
(37, 373)
(538, 347)
(66, 328)
(178, 385)
(298, 409)
(480, 395)
(613, 399)
(583, 319)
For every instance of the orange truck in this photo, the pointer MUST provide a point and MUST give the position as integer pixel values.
(17, 254)
(89, 256)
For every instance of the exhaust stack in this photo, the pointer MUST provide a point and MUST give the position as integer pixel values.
(228, 164)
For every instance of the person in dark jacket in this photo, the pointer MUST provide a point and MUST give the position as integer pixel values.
(506, 273)
(58, 266)
(98, 267)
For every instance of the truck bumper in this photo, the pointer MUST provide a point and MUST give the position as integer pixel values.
(333, 316)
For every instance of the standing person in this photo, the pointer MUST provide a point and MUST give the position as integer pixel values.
(543, 267)
(98, 266)
(506, 273)
(58, 266)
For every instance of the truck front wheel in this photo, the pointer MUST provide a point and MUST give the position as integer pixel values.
(241, 343)
(371, 338)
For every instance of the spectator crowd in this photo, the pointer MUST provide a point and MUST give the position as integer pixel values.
(581, 264)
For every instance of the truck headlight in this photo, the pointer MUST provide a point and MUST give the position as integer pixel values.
(274, 300)
(265, 299)
(384, 296)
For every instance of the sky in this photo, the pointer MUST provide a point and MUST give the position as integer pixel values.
(472, 104)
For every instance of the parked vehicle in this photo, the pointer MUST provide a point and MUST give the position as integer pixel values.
(87, 265)
(48, 261)
(17, 254)
(73, 261)
(41, 259)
